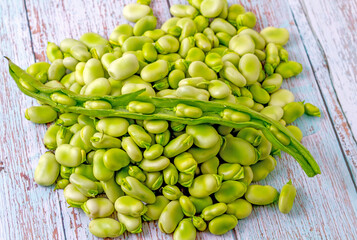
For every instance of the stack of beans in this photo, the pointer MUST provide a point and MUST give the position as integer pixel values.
(144, 161)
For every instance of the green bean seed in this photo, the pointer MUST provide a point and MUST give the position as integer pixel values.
(261, 195)
(112, 189)
(154, 210)
(47, 170)
(230, 191)
(182, 11)
(170, 217)
(114, 127)
(204, 136)
(86, 186)
(240, 208)
(171, 192)
(98, 207)
(53, 52)
(237, 150)
(70, 156)
(312, 110)
(106, 227)
(222, 224)
(178, 145)
(247, 19)
(41, 114)
(146, 23)
(130, 206)
(231, 171)
(293, 111)
(114, 159)
(281, 98)
(286, 198)
(134, 188)
(134, 12)
(132, 224)
(211, 8)
(296, 132)
(262, 168)
(204, 185)
(275, 35)
(123, 67)
(100, 171)
(289, 69)
(201, 23)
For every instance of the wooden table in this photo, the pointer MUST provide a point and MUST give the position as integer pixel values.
(323, 39)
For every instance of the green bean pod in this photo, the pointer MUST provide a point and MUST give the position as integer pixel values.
(294, 148)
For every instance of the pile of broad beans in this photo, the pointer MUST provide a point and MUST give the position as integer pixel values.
(189, 178)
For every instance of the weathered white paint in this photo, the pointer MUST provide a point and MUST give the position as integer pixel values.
(326, 205)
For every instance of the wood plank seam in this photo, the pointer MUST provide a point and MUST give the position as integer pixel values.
(327, 66)
(35, 60)
(62, 217)
(29, 28)
(320, 91)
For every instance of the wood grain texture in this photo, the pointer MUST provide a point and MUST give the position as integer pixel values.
(325, 71)
(27, 211)
(325, 207)
(338, 41)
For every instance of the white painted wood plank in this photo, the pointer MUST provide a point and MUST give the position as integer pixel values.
(328, 54)
(27, 211)
(335, 24)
